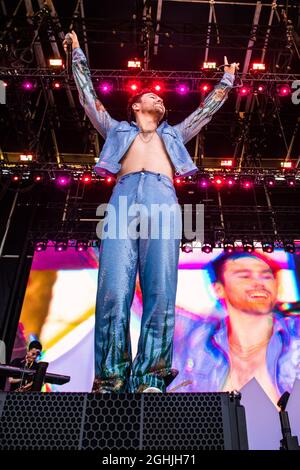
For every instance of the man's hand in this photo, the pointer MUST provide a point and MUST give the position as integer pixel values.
(75, 42)
(230, 68)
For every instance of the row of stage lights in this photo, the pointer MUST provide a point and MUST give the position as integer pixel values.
(201, 181)
(135, 86)
(229, 246)
(247, 246)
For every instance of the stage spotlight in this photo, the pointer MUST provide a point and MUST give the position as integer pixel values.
(248, 246)
(205, 87)
(56, 85)
(267, 246)
(289, 246)
(86, 177)
(61, 245)
(246, 182)
(158, 87)
(178, 181)
(230, 181)
(40, 245)
(109, 180)
(134, 86)
(207, 248)
(203, 182)
(27, 85)
(38, 177)
(218, 181)
(182, 89)
(63, 180)
(270, 181)
(105, 87)
(244, 90)
(291, 181)
(81, 245)
(259, 89)
(229, 246)
(16, 177)
(283, 90)
(187, 247)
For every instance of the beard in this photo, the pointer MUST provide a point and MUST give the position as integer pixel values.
(253, 307)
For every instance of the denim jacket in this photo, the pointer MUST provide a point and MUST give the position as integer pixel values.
(120, 135)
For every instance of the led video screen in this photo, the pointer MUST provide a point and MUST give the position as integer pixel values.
(237, 317)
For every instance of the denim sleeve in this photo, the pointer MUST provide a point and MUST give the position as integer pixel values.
(94, 109)
(192, 125)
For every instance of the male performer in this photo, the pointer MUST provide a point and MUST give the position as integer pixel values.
(28, 362)
(144, 155)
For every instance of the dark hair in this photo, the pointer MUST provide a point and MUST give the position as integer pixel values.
(35, 345)
(136, 99)
(217, 266)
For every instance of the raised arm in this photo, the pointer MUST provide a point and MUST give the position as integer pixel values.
(192, 125)
(93, 107)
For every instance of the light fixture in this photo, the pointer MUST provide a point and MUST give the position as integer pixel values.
(61, 245)
(248, 246)
(267, 246)
(187, 247)
(81, 245)
(289, 246)
(40, 245)
(229, 246)
(182, 89)
(207, 248)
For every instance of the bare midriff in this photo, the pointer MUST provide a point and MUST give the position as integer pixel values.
(150, 155)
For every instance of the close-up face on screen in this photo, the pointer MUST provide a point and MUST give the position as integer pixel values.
(237, 317)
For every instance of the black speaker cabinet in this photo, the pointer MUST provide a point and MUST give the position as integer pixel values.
(174, 421)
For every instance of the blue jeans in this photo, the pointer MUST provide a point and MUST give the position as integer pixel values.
(156, 260)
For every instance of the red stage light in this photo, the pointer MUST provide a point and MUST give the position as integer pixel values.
(134, 87)
(16, 178)
(244, 91)
(158, 87)
(86, 178)
(38, 178)
(259, 89)
(218, 180)
(56, 85)
(246, 183)
(109, 179)
(178, 181)
(205, 87)
(283, 90)
(230, 181)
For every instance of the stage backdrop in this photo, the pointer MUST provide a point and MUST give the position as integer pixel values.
(235, 319)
